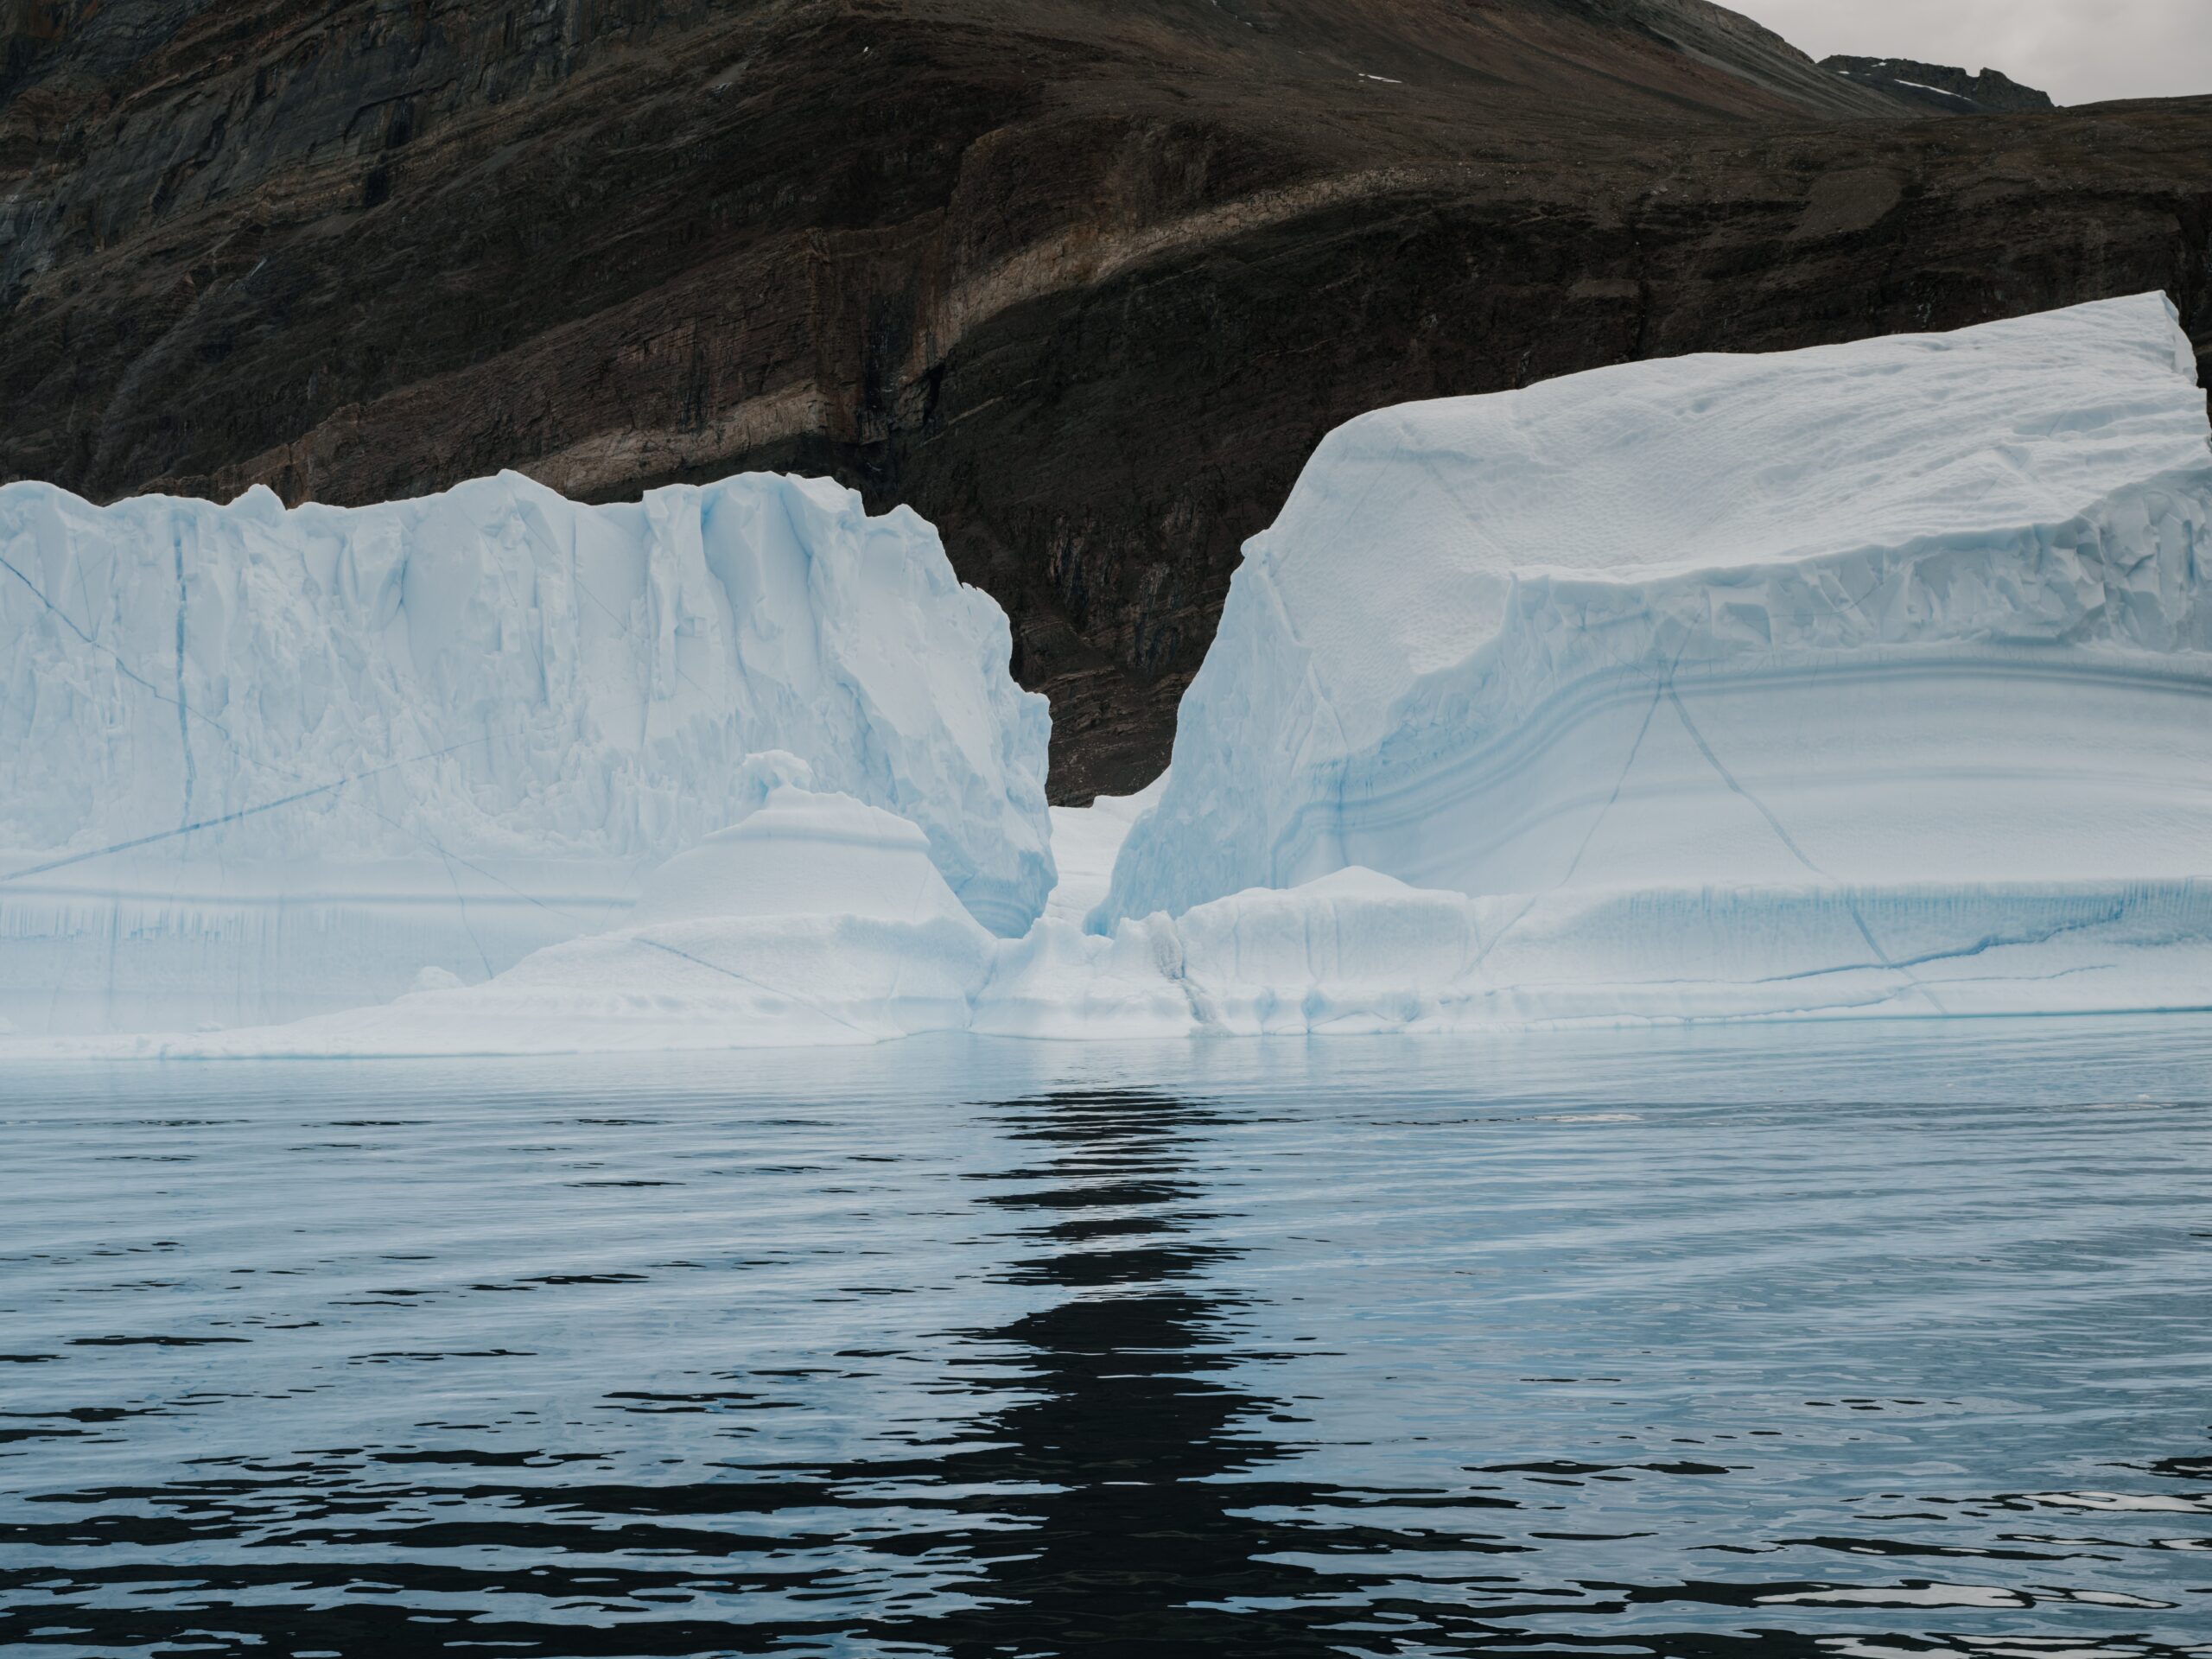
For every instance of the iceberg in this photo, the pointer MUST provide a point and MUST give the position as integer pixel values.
(728, 953)
(1909, 629)
(257, 764)
(1869, 681)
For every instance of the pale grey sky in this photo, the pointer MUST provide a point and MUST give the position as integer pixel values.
(2079, 51)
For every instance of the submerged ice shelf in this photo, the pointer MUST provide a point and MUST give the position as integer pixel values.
(883, 951)
(1869, 680)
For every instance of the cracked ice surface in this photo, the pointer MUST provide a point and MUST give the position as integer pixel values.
(255, 763)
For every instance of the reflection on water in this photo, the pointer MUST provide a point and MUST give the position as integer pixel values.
(1877, 1341)
(1111, 1414)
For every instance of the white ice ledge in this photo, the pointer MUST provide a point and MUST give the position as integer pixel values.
(1353, 953)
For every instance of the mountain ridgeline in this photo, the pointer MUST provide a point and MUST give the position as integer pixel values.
(1083, 284)
(1939, 86)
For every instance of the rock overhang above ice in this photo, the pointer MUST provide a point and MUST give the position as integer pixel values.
(1914, 609)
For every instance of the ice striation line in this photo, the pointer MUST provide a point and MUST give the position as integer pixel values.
(2116, 913)
(1851, 904)
(183, 710)
(1589, 836)
(70, 622)
(1682, 710)
(784, 991)
(461, 904)
(228, 818)
(1662, 690)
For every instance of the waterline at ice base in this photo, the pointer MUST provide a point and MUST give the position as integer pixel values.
(1868, 680)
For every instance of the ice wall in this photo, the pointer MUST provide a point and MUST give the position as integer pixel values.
(1920, 612)
(733, 955)
(255, 762)
(813, 920)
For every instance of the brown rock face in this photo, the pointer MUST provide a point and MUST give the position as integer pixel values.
(1941, 87)
(1082, 283)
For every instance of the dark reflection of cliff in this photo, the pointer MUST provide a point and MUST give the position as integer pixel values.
(1091, 1508)
(1121, 1412)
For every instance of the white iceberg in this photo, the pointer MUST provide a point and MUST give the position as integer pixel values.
(257, 763)
(1869, 681)
(1917, 624)
(1355, 952)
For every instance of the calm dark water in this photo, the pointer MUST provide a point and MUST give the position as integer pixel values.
(1857, 1342)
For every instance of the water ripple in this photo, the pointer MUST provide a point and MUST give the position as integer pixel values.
(1888, 1342)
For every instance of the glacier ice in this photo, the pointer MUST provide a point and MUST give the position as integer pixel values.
(1924, 611)
(734, 957)
(1357, 952)
(1086, 840)
(257, 763)
(815, 919)
(1875, 680)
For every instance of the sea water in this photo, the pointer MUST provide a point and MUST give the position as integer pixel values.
(1862, 1341)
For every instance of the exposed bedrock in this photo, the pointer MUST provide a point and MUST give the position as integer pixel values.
(1941, 87)
(1084, 285)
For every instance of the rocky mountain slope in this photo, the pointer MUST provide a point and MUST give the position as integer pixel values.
(1083, 284)
(1940, 87)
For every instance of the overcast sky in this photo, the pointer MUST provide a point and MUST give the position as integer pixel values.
(2079, 51)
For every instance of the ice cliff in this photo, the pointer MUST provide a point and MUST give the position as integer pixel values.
(255, 763)
(1922, 614)
(814, 920)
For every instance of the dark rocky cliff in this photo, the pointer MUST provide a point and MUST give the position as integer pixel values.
(1940, 87)
(1082, 283)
